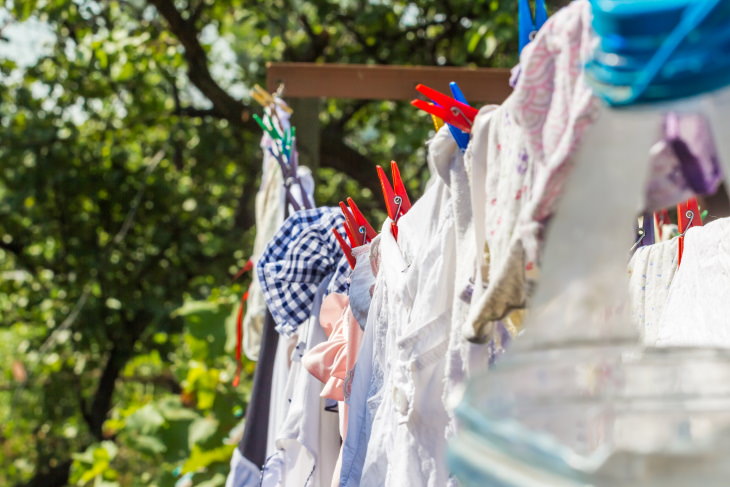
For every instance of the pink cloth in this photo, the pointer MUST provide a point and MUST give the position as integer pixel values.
(333, 361)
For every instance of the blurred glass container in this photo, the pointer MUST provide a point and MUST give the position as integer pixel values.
(577, 401)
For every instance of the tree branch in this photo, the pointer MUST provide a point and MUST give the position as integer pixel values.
(56, 476)
(95, 415)
(224, 104)
(196, 112)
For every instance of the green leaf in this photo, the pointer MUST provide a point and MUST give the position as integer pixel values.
(201, 429)
(145, 420)
(22, 9)
(200, 460)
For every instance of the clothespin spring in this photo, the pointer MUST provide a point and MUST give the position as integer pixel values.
(457, 112)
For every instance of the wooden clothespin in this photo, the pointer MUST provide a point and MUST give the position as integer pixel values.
(396, 197)
(265, 99)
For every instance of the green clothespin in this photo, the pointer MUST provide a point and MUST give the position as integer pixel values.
(288, 138)
(263, 126)
(268, 127)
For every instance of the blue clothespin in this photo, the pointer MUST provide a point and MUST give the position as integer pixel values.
(461, 137)
(529, 25)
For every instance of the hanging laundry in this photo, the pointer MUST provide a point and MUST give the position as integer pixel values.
(565, 410)
(524, 147)
(307, 442)
(251, 451)
(697, 300)
(333, 362)
(390, 327)
(270, 206)
(411, 417)
(386, 307)
(463, 357)
(535, 133)
(300, 265)
(651, 272)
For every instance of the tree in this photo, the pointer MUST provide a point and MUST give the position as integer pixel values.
(129, 165)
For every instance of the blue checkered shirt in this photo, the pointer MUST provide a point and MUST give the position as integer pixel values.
(302, 254)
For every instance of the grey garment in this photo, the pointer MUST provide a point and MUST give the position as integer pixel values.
(243, 473)
(253, 443)
(362, 281)
(359, 420)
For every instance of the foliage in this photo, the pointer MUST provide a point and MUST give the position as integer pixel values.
(128, 169)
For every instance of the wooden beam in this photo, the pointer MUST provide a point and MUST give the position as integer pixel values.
(380, 82)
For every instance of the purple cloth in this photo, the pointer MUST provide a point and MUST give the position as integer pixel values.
(684, 163)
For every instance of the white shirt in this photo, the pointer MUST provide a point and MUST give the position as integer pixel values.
(697, 308)
(412, 419)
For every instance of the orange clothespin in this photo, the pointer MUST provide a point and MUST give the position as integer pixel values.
(346, 249)
(396, 198)
(451, 111)
(688, 216)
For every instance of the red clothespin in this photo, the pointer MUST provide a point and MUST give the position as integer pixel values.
(661, 218)
(246, 267)
(357, 228)
(239, 340)
(350, 236)
(239, 324)
(360, 230)
(346, 249)
(396, 200)
(688, 216)
(451, 111)
(363, 223)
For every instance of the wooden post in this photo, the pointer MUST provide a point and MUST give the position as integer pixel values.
(377, 82)
(306, 120)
